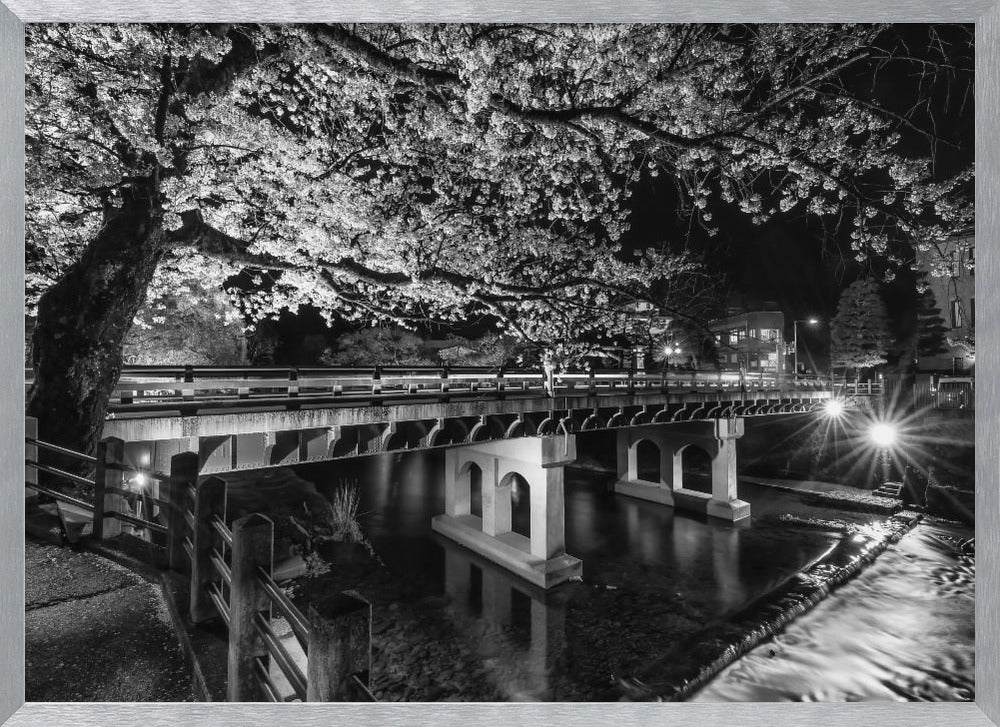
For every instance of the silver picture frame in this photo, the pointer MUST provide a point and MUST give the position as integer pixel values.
(986, 709)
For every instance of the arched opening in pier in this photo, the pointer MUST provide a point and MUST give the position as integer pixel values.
(647, 461)
(475, 490)
(520, 503)
(697, 468)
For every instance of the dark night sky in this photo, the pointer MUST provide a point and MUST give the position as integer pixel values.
(790, 259)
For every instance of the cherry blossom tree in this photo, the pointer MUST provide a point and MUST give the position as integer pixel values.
(412, 173)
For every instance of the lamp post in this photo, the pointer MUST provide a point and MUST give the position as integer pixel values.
(795, 341)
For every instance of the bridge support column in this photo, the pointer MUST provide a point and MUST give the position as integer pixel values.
(724, 503)
(540, 558)
(716, 437)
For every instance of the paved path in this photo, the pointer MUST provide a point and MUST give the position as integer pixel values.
(96, 631)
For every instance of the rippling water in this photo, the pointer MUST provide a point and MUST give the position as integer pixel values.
(902, 630)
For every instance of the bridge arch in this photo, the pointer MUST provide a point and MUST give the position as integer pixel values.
(617, 419)
(516, 489)
(479, 433)
(392, 440)
(643, 416)
(548, 425)
(694, 467)
(648, 460)
(591, 422)
(471, 476)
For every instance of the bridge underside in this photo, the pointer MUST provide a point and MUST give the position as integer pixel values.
(250, 440)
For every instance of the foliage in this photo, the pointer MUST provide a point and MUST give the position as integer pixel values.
(401, 173)
(488, 350)
(859, 331)
(344, 525)
(193, 325)
(380, 345)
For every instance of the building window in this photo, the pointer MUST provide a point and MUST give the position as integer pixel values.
(972, 311)
(956, 313)
(769, 334)
(971, 255)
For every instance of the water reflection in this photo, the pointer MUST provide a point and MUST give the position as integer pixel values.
(525, 627)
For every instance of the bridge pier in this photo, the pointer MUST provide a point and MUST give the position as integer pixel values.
(540, 558)
(716, 437)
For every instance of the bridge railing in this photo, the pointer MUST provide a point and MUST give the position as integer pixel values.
(232, 579)
(155, 388)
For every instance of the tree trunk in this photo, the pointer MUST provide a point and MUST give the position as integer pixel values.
(84, 318)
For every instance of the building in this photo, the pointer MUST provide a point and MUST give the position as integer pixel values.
(950, 274)
(752, 340)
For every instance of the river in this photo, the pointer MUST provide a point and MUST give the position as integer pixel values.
(450, 625)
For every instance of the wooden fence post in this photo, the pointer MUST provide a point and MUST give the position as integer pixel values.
(108, 474)
(209, 500)
(253, 544)
(340, 646)
(183, 474)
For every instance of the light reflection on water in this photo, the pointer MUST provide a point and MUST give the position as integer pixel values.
(902, 630)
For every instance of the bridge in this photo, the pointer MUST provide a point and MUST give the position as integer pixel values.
(497, 427)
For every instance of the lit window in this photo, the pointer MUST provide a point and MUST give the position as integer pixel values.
(956, 313)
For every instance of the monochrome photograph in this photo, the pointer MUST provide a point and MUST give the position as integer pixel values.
(499, 362)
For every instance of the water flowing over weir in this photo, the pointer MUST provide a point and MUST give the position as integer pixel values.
(451, 625)
(902, 630)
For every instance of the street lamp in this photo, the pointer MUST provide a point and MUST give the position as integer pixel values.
(795, 340)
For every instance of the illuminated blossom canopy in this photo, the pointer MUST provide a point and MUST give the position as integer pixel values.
(405, 173)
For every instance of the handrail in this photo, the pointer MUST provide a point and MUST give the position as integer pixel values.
(138, 522)
(224, 532)
(224, 571)
(58, 472)
(60, 496)
(59, 450)
(215, 593)
(270, 688)
(300, 627)
(287, 665)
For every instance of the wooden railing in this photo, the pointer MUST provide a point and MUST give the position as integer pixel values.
(188, 389)
(230, 571)
(110, 507)
(232, 579)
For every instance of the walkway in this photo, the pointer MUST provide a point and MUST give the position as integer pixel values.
(96, 631)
